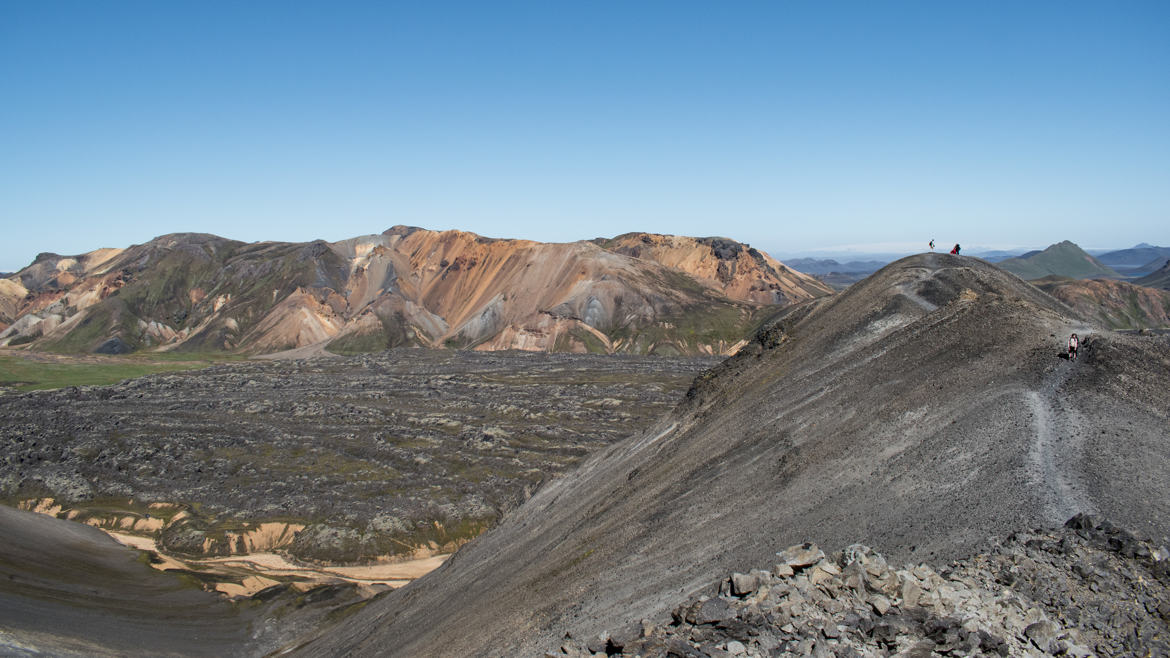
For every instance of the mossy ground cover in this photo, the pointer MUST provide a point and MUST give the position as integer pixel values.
(20, 373)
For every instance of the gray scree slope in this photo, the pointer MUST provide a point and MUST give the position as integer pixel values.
(67, 589)
(920, 412)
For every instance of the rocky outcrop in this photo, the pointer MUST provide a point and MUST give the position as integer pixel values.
(407, 286)
(1087, 589)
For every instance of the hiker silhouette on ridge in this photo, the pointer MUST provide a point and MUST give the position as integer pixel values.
(932, 245)
(955, 251)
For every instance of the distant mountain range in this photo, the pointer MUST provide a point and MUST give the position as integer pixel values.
(638, 292)
(816, 266)
(1157, 279)
(1136, 261)
(1061, 259)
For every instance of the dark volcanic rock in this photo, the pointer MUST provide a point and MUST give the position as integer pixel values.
(114, 345)
(378, 454)
(970, 608)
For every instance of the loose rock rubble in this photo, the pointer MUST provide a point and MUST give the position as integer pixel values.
(1089, 588)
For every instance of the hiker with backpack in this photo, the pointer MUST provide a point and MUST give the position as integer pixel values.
(955, 251)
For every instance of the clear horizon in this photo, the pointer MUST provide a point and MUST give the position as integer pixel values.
(797, 129)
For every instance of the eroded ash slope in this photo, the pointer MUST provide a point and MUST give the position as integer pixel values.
(921, 411)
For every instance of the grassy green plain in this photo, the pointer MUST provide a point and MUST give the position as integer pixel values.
(29, 371)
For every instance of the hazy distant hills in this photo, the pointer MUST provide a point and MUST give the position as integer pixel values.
(817, 266)
(1085, 283)
(1142, 259)
(837, 274)
(994, 255)
(638, 293)
(1061, 259)
(1158, 279)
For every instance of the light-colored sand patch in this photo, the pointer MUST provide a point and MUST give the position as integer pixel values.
(12, 289)
(389, 572)
(40, 506)
(265, 537)
(247, 587)
(256, 571)
(134, 541)
(148, 544)
(141, 524)
(98, 257)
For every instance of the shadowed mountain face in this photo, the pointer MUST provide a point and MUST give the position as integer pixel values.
(1060, 259)
(919, 412)
(406, 286)
(1158, 279)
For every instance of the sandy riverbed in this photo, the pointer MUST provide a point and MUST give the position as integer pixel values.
(255, 571)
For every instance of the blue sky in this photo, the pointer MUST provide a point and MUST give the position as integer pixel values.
(792, 126)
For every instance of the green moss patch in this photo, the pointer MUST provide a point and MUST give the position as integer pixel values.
(24, 374)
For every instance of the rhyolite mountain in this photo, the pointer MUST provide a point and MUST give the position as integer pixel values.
(639, 293)
(1061, 259)
(1114, 304)
(918, 412)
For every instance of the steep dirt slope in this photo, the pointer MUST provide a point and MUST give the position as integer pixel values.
(67, 589)
(918, 412)
(1115, 304)
(12, 295)
(407, 286)
(70, 590)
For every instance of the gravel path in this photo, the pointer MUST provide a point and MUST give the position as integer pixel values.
(1058, 446)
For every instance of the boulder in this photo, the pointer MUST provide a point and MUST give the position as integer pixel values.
(743, 584)
(801, 555)
(713, 611)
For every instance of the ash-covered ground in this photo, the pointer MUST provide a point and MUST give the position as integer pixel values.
(377, 454)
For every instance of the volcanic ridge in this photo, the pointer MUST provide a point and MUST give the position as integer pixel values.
(920, 412)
